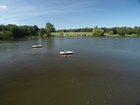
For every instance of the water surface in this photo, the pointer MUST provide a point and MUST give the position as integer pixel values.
(101, 71)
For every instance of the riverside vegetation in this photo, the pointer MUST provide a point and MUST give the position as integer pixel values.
(11, 31)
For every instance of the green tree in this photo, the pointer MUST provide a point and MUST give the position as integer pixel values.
(114, 30)
(5, 35)
(42, 32)
(1, 35)
(13, 29)
(97, 31)
(120, 31)
(136, 30)
(2, 27)
(111, 33)
(49, 28)
(35, 29)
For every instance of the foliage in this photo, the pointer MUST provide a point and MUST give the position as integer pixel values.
(13, 31)
(98, 31)
(103, 31)
(76, 30)
(71, 34)
(5, 35)
(111, 33)
(49, 28)
(41, 32)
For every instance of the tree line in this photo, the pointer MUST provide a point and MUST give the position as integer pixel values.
(76, 30)
(103, 31)
(13, 31)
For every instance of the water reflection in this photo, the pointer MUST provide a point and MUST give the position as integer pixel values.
(69, 55)
(50, 43)
(138, 103)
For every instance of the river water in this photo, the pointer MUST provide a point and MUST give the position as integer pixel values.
(102, 71)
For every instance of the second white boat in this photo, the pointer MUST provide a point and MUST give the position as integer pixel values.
(66, 52)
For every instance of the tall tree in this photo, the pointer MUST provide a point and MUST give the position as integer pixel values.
(97, 31)
(14, 29)
(41, 32)
(49, 28)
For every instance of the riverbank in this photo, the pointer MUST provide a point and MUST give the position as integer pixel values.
(85, 34)
(71, 34)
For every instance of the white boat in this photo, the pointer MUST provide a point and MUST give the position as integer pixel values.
(37, 46)
(66, 52)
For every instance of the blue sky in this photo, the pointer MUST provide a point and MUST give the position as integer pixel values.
(66, 14)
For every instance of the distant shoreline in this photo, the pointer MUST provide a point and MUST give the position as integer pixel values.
(75, 34)
(71, 34)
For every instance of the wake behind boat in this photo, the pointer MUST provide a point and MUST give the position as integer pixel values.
(37, 46)
(66, 52)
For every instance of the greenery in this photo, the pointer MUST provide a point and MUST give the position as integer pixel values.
(97, 31)
(11, 31)
(49, 28)
(71, 34)
(103, 31)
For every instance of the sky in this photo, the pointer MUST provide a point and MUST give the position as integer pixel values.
(71, 14)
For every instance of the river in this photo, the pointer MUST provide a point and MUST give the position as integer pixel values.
(102, 71)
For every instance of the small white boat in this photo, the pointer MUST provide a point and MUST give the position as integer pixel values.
(37, 46)
(66, 52)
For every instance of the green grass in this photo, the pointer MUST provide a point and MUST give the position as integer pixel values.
(83, 34)
(71, 33)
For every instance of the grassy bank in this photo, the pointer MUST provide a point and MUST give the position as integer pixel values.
(85, 34)
(71, 33)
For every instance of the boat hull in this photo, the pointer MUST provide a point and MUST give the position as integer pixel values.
(37, 46)
(66, 52)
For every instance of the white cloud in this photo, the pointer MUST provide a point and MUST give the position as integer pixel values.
(3, 7)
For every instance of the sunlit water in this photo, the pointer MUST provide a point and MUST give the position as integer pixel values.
(102, 71)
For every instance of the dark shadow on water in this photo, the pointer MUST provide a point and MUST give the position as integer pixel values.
(138, 103)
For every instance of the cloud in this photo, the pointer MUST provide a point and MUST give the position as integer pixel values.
(3, 7)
